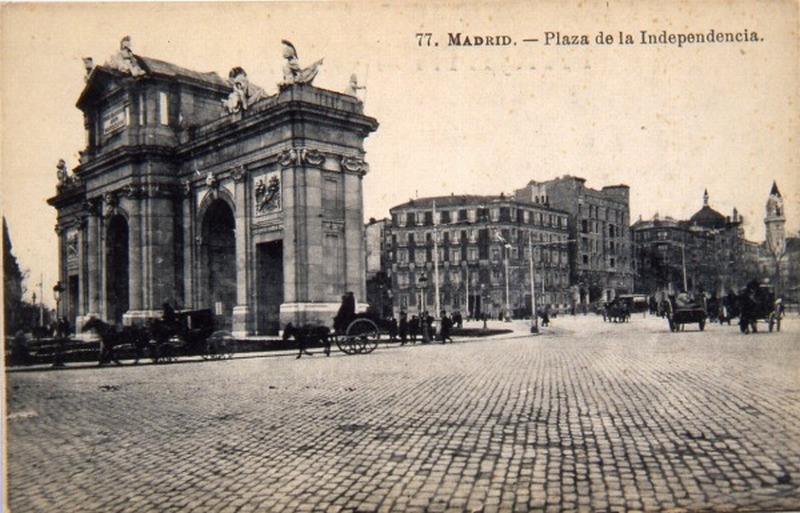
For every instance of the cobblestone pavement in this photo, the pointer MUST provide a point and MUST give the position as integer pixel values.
(586, 417)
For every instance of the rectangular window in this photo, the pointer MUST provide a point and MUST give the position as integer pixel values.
(142, 110)
(445, 217)
(455, 256)
(163, 108)
(472, 254)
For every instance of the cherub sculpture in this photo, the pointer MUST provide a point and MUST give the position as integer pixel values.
(292, 72)
(353, 87)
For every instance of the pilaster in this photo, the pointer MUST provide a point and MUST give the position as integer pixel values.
(242, 312)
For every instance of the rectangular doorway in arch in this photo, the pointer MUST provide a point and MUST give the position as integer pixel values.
(269, 286)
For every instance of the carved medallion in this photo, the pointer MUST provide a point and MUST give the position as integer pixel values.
(111, 199)
(211, 181)
(238, 173)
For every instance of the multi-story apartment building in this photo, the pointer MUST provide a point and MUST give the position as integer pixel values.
(599, 220)
(473, 254)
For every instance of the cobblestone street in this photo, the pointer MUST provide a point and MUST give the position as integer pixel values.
(587, 417)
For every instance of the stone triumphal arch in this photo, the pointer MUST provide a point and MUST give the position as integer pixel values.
(210, 193)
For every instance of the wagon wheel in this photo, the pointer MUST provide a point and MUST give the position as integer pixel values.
(168, 351)
(345, 344)
(219, 346)
(364, 335)
(123, 354)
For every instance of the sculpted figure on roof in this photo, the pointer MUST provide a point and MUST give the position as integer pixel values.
(244, 93)
(293, 73)
(125, 61)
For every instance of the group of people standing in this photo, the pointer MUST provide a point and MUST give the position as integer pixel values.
(407, 330)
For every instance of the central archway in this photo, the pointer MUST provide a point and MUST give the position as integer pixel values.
(218, 275)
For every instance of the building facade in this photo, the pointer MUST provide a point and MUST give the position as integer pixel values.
(706, 253)
(379, 286)
(599, 221)
(209, 193)
(474, 254)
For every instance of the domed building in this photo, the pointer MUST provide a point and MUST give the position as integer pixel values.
(706, 253)
(709, 218)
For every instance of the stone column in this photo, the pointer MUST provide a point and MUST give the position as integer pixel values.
(189, 255)
(354, 236)
(242, 312)
(135, 251)
(94, 279)
(290, 236)
(83, 276)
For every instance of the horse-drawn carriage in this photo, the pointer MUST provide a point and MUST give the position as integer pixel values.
(191, 332)
(616, 311)
(757, 303)
(681, 311)
(360, 336)
(187, 332)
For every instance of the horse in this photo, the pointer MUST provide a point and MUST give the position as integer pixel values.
(308, 335)
(754, 303)
(112, 338)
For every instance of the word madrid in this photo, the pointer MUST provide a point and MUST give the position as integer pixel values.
(650, 38)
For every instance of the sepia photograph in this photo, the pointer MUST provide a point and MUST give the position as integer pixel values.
(377, 257)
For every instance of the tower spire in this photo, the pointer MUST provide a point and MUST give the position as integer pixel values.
(705, 198)
(775, 191)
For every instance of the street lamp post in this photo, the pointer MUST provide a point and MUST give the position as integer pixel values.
(422, 282)
(535, 321)
(505, 264)
(58, 289)
(58, 357)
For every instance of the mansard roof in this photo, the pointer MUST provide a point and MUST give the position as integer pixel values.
(467, 200)
(154, 68)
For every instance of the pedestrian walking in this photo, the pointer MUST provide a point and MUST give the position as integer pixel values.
(392, 329)
(62, 335)
(403, 327)
(447, 324)
(413, 328)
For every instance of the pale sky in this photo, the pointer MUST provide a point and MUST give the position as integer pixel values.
(668, 121)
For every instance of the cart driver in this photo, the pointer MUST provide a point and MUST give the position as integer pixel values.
(346, 313)
(685, 300)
